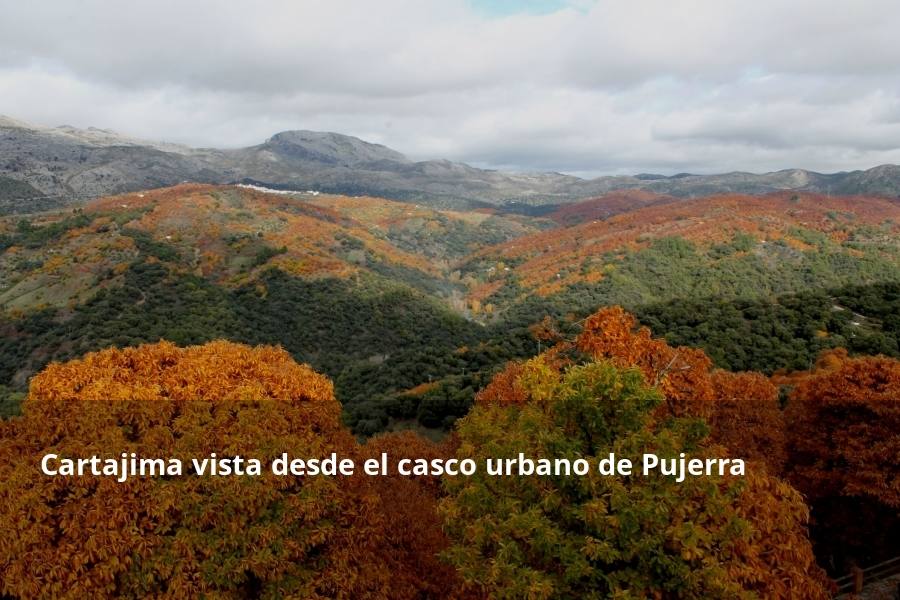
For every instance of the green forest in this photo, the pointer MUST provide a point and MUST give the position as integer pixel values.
(378, 338)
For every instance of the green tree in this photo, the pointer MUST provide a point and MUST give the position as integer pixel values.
(599, 536)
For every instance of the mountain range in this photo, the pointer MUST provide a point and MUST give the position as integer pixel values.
(44, 167)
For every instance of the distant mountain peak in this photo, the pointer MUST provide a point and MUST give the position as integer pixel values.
(331, 148)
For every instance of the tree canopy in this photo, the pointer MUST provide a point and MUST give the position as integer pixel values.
(184, 537)
(614, 536)
(843, 423)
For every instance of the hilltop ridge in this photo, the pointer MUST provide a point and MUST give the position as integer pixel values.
(69, 164)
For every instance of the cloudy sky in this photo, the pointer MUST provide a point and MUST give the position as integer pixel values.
(581, 86)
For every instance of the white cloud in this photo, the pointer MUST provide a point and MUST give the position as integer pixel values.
(648, 85)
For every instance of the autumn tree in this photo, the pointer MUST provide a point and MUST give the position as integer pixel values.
(747, 419)
(189, 536)
(844, 446)
(741, 409)
(597, 536)
(504, 388)
(546, 330)
(414, 538)
(682, 374)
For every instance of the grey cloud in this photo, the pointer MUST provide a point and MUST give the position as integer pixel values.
(652, 85)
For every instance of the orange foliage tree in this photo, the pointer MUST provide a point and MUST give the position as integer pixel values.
(414, 538)
(844, 453)
(546, 330)
(741, 408)
(504, 387)
(187, 536)
(682, 374)
(747, 418)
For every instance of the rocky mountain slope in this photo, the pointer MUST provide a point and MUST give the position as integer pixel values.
(67, 164)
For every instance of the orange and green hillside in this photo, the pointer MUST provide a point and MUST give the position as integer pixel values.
(778, 228)
(411, 310)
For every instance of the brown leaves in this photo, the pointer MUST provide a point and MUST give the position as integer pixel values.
(705, 537)
(746, 418)
(844, 423)
(380, 537)
(413, 534)
(741, 408)
(776, 560)
(184, 536)
(504, 388)
(682, 374)
(843, 450)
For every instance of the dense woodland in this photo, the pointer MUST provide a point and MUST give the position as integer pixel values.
(394, 339)
(373, 293)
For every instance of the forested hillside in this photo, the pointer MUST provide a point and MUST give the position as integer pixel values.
(411, 310)
(363, 289)
(730, 245)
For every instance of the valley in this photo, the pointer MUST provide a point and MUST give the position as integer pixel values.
(412, 309)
